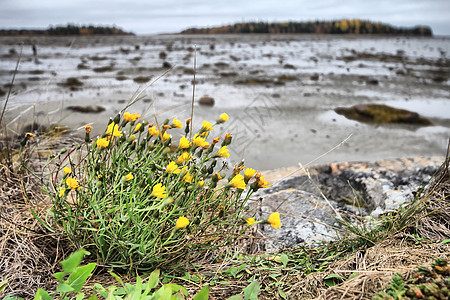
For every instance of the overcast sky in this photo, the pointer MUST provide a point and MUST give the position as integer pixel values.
(164, 16)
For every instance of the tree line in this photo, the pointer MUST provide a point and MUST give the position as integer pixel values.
(344, 26)
(69, 29)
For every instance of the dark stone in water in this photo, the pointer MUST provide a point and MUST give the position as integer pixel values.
(142, 79)
(382, 114)
(206, 101)
(86, 109)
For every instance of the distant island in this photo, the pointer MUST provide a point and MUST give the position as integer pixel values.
(317, 27)
(69, 29)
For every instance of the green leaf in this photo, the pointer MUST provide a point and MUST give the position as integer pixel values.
(332, 280)
(73, 261)
(116, 277)
(203, 294)
(176, 287)
(93, 297)
(251, 291)
(235, 297)
(80, 296)
(445, 242)
(12, 297)
(3, 285)
(42, 295)
(77, 279)
(153, 279)
(284, 259)
(59, 276)
(281, 293)
(63, 287)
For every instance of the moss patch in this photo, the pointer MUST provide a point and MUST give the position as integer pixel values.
(382, 114)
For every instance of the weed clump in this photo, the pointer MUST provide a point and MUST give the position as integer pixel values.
(140, 202)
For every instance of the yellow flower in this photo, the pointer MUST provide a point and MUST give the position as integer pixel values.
(128, 177)
(113, 129)
(67, 170)
(72, 183)
(223, 152)
(237, 182)
(222, 118)
(102, 143)
(183, 157)
(199, 141)
(248, 174)
(159, 191)
(110, 128)
(188, 177)
(184, 143)
(206, 126)
(117, 132)
(132, 137)
(138, 126)
(250, 221)
(30, 136)
(166, 136)
(182, 222)
(262, 183)
(131, 117)
(200, 183)
(173, 168)
(62, 191)
(274, 220)
(153, 131)
(177, 123)
(88, 128)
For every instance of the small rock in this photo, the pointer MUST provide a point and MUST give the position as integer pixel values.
(206, 101)
(166, 65)
(314, 77)
(86, 109)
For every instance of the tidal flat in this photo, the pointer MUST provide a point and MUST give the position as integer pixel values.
(280, 91)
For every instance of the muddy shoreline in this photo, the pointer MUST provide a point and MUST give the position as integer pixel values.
(280, 91)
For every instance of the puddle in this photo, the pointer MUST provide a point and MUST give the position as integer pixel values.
(436, 108)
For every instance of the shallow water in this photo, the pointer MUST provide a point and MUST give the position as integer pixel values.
(285, 119)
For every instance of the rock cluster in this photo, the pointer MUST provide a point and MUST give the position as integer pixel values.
(309, 203)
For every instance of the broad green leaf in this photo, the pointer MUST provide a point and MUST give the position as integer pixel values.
(80, 296)
(59, 276)
(203, 294)
(42, 295)
(333, 279)
(153, 281)
(12, 297)
(73, 261)
(77, 279)
(235, 297)
(176, 287)
(63, 287)
(251, 291)
(93, 297)
(445, 242)
(284, 259)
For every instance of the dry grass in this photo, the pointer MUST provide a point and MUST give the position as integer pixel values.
(30, 253)
(372, 269)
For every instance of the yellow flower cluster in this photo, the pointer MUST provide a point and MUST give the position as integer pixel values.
(131, 117)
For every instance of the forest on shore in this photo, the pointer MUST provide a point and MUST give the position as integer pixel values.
(344, 26)
(69, 29)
